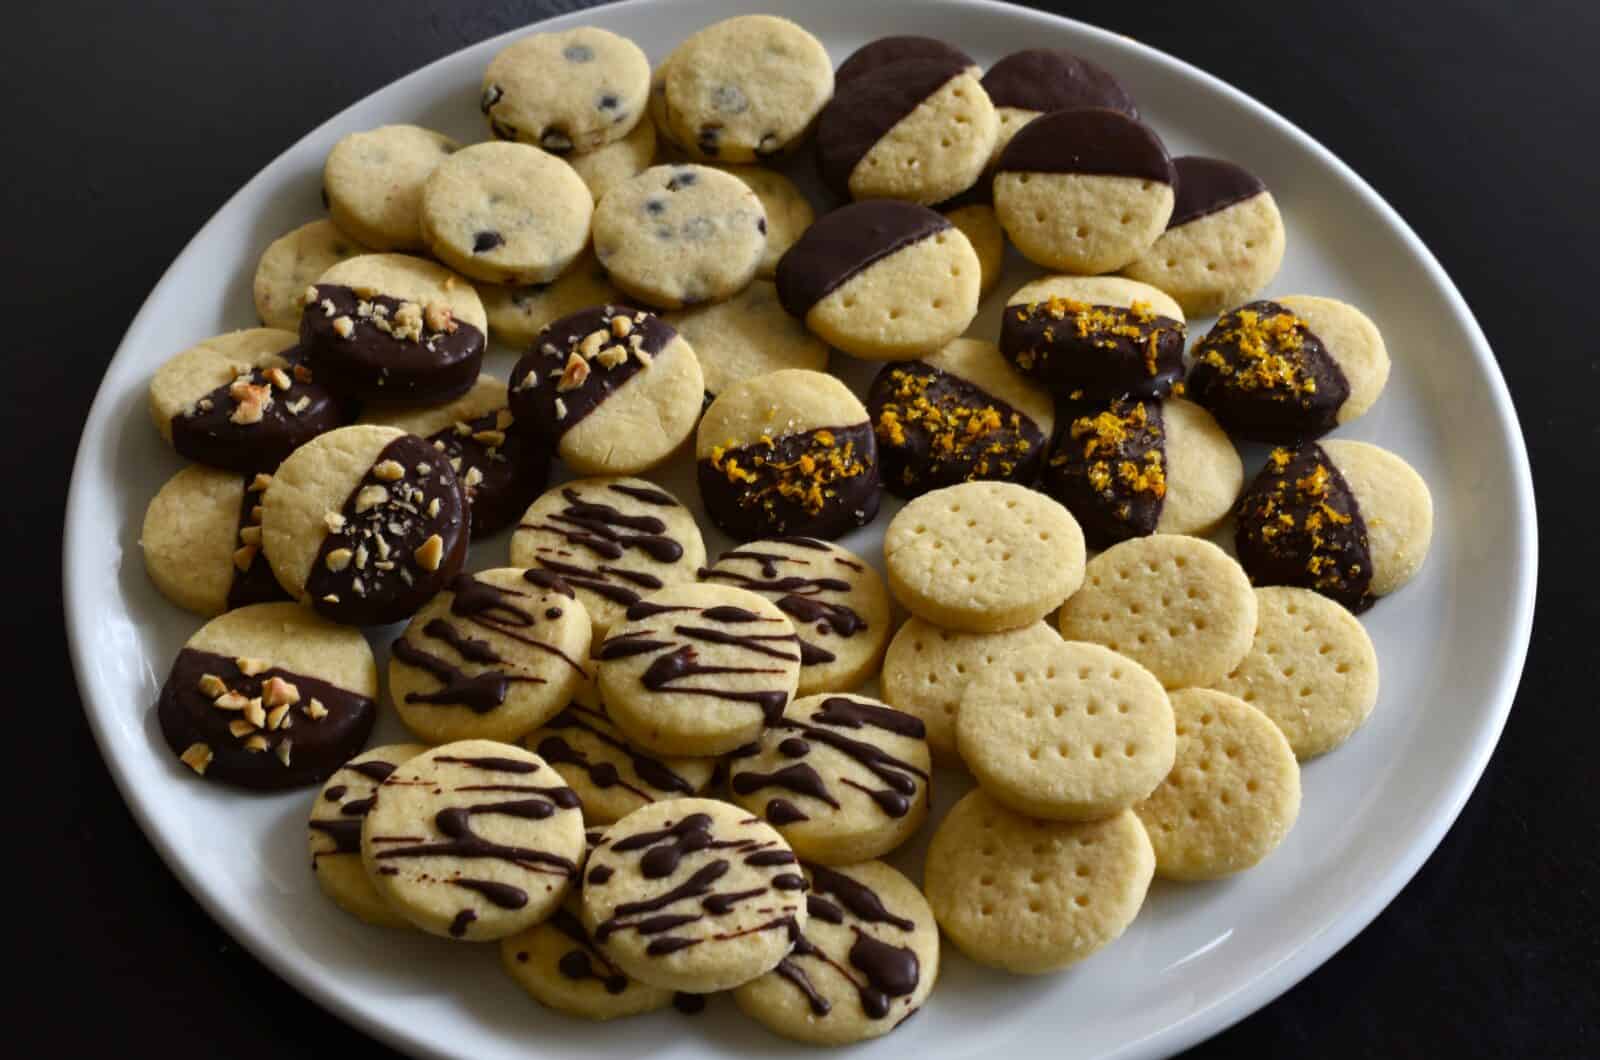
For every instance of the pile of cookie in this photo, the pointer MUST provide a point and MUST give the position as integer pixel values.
(651, 776)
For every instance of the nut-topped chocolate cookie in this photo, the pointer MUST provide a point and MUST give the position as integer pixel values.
(369, 345)
(269, 697)
(201, 541)
(1037, 81)
(790, 452)
(365, 524)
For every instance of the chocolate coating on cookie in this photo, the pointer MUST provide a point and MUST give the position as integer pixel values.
(384, 348)
(259, 418)
(578, 362)
(1108, 467)
(1265, 375)
(1051, 79)
(1082, 351)
(863, 111)
(1299, 524)
(846, 241)
(936, 429)
(1099, 142)
(501, 470)
(1208, 185)
(253, 580)
(899, 48)
(268, 729)
(816, 483)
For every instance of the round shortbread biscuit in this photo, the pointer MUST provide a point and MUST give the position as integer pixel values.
(201, 541)
(977, 221)
(1033, 896)
(1398, 505)
(883, 280)
(842, 778)
(745, 88)
(867, 960)
(506, 213)
(1232, 795)
(573, 90)
(473, 840)
(836, 602)
(698, 669)
(372, 183)
(927, 669)
(1312, 669)
(493, 657)
(1223, 243)
(789, 212)
(617, 162)
(517, 314)
(291, 263)
(1068, 731)
(898, 48)
(334, 832)
(612, 389)
(746, 336)
(787, 453)
(983, 556)
(1180, 606)
(693, 895)
(269, 697)
(1027, 84)
(560, 966)
(614, 540)
(681, 234)
(410, 279)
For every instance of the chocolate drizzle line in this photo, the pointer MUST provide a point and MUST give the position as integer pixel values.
(796, 595)
(657, 777)
(548, 400)
(1096, 142)
(1108, 467)
(885, 971)
(864, 110)
(345, 830)
(209, 433)
(1265, 375)
(1210, 185)
(843, 243)
(586, 961)
(605, 532)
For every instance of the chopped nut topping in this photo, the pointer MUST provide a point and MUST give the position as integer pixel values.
(407, 322)
(310, 295)
(254, 399)
(573, 376)
(252, 667)
(620, 326)
(592, 342)
(438, 317)
(433, 513)
(334, 522)
(302, 374)
(430, 553)
(255, 713)
(389, 471)
(344, 327)
(365, 291)
(644, 357)
(238, 728)
(212, 685)
(278, 692)
(315, 710)
(330, 598)
(503, 420)
(276, 714)
(256, 743)
(612, 356)
(370, 497)
(282, 750)
(338, 559)
(472, 477)
(493, 439)
(298, 405)
(424, 470)
(279, 378)
(361, 557)
(250, 535)
(230, 701)
(561, 409)
(197, 756)
(260, 482)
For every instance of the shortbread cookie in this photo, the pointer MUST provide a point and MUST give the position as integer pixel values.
(506, 213)
(611, 775)
(493, 657)
(882, 280)
(693, 895)
(959, 414)
(368, 345)
(1232, 795)
(473, 840)
(1347, 519)
(269, 697)
(201, 541)
(698, 669)
(746, 336)
(842, 778)
(573, 90)
(1289, 369)
(983, 556)
(788, 211)
(666, 140)
(617, 162)
(1178, 605)
(927, 669)
(787, 453)
(680, 235)
(614, 540)
(1084, 191)
(837, 603)
(918, 129)
(613, 390)
(291, 263)
(372, 183)
(1138, 466)
(559, 965)
(243, 400)
(746, 88)
(1224, 242)
(1311, 669)
(867, 960)
(1034, 896)
(1068, 731)
(1027, 84)
(886, 50)
(977, 221)
(517, 314)
(365, 524)
(411, 279)
(335, 832)
(501, 469)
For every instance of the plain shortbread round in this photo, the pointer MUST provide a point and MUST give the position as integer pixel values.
(1219, 260)
(1033, 896)
(411, 279)
(1232, 795)
(1068, 731)
(291, 263)
(1395, 504)
(516, 315)
(617, 162)
(482, 838)
(983, 556)
(788, 211)
(573, 90)
(746, 336)
(1203, 470)
(334, 832)
(559, 965)
(1354, 343)
(977, 221)
(191, 538)
(373, 183)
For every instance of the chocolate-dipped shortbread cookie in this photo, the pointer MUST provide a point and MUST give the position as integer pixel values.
(413, 279)
(370, 345)
(1289, 368)
(614, 390)
(885, 50)
(334, 832)
(1037, 81)
(790, 452)
(958, 414)
(269, 697)
(202, 541)
(365, 524)
(242, 401)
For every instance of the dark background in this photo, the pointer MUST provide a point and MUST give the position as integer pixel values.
(133, 122)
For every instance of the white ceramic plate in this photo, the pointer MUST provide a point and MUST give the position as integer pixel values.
(1200, 956)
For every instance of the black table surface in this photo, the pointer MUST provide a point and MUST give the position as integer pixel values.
(132, 123)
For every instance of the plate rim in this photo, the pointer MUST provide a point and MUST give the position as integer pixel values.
(1227, 1009)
